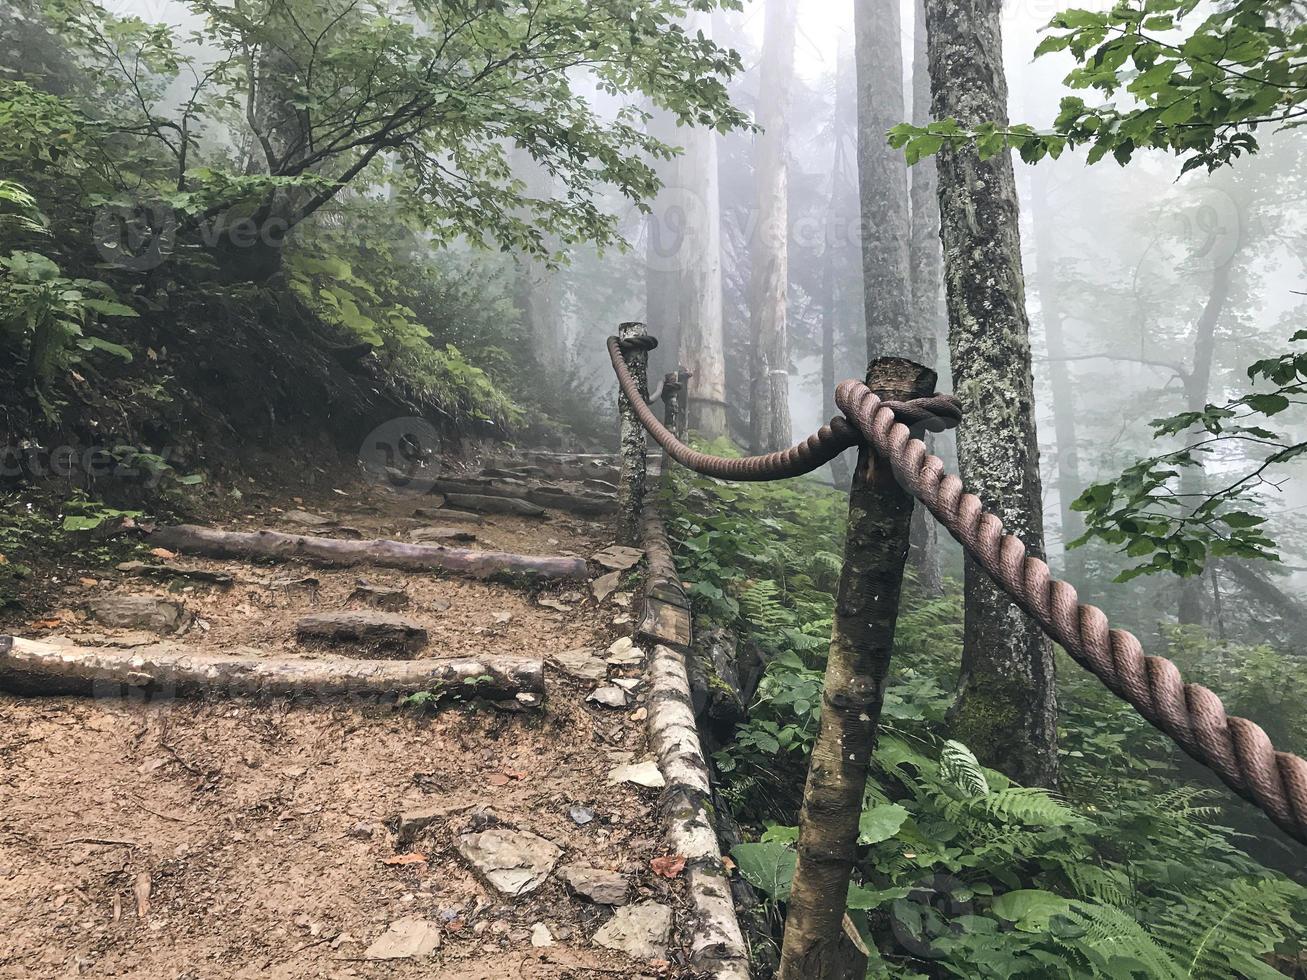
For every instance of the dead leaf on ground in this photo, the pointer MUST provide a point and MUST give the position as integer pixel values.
(669, 866)
(727, 863)
(163, 554)
(414, 858)
(45, 624)
(497, 779)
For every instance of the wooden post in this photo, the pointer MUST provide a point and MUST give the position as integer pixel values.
(683, 376)
(672, 391)
(818, 944)
(630, 491)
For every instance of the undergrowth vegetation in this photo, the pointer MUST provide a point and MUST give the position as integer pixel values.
(1139, 866)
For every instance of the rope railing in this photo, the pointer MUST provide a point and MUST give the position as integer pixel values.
(1237, 750)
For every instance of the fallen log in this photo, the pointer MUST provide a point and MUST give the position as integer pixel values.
(276, 546)
(576, 502)
(167, 670)
(495, 505)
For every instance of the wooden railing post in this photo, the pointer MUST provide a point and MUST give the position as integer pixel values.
(820, 944)
(630, 491)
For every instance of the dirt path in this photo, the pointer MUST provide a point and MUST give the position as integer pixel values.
(240, 839)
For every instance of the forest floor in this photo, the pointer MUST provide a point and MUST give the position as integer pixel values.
(274, 839)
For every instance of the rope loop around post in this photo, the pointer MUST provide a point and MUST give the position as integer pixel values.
(1237, 750)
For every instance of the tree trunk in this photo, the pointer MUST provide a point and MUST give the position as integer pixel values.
(700, 266)
(273, 545)
(537, 286)
(1197, 390)
(769, 382)
(1006, 706)
(925, 261)
(630, 488)
(168, 670)
(663, 239)
(1069, 481)
(866, 611)
(839, 466)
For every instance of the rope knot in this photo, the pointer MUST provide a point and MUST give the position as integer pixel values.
(631, 345)
(935, 413)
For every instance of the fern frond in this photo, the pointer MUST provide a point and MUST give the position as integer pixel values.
(959, 766)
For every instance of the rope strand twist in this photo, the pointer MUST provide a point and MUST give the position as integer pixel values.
(1237, 750)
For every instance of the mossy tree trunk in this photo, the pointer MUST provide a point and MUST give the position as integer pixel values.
(816, 946)
(1006, 706)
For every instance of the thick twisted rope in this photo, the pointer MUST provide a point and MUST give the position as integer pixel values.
(1236, 749)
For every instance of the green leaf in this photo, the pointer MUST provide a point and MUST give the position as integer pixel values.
(107, 308)
(880, 823)
(1030, 908)
(768, 867)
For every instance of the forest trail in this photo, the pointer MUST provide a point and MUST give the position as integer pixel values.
(275, 839)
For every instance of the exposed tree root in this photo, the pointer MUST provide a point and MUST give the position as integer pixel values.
(277, 546)
(169, 670)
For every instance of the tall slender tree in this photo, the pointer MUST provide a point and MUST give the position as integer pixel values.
(537, 284)
(1006, 708)
(700, 270)
(925, 260)
(769, 387)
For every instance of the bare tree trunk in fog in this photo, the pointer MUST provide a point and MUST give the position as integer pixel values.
(663, 228)
(1069, 481)
(837, 217)
(1197, 391)
(1006, 706)
(769, 375)
(925, 259)
(699, 263)
(537, 285)
(829, 328)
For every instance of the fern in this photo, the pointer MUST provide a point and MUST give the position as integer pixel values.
(959, 766)
(761, 607)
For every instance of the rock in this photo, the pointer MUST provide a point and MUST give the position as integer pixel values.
(618, 558)
(639, 714)
(140, 612)
(644, 774)
(627, 683)
(448, 516)
(640, 931)
(624, 653)
(167, 571)
(610, 697)
(379, 596)
(605, 585)
(363, 831)
(305, 519)
(406, 939)
(425, 534)
(600, 887)
(581, 815)
(581, 664)
(495, 505)
(554, 604)
(540, 937)
(514, 863)
(378, 629)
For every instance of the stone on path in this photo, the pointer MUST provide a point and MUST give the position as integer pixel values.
(424, 535)
(640, 931)
(140, 612)
(379, 596)
(599, 886)
(605, 585)
(581, 664)
(624, 653)
(610, 697)
(513, 862)
(540, 936)
(368, 628)
(645, 774)
(305, 519)
(618, 558)
(405, 939)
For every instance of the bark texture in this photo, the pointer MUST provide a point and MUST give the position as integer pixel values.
(33, 668)
(769, 388)
(700, 266)
(631, 486)
(866, 611)
(273, 545)
(1006, 706)
(925, 260)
